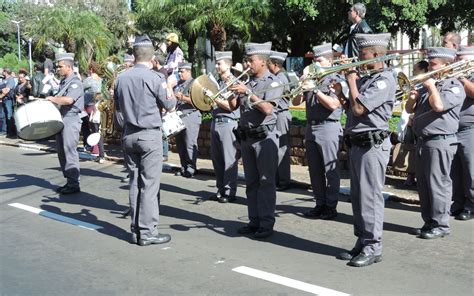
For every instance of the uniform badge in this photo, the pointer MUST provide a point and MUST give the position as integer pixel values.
(274, 84)
(455, 90)
(74, 85)
(381, 84)
(164, 85)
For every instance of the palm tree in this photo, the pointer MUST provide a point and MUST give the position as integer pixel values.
(211, 18)
(81, 32)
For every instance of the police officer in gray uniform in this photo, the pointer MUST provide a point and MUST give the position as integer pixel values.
(462, 170)
(435, 123)
(323, 134)
(186, 141)
(225, 151)
(141, 94)
(275, 66)
(259, 139)
(371, 100)
(70, 98)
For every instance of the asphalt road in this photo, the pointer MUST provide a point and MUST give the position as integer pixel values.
(47, 254)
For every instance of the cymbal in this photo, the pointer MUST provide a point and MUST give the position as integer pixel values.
(198, 90)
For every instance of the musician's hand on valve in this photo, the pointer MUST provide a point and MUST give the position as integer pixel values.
(239, 88)
(430, 82)
(336, 88)
(352, 75)
(179, 95)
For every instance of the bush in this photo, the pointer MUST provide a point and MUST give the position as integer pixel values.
(299, 118)
(10, 60)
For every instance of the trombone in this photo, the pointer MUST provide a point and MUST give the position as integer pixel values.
(320, 72)
(406, 84)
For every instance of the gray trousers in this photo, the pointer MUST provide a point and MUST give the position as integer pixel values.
(283, 176)
(143, 155)
(322, 146)
(367, 167)
(462, 172)
(225, 153)
(260, 158)
(66, 144)
(433, 165)
(186, 142)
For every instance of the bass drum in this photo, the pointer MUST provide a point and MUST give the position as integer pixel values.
(38, 120)
(172, 124)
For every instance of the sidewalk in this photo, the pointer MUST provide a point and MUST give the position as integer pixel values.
(394, 189)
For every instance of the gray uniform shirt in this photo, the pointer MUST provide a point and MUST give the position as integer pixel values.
(140, 94)
(377, 95)
(315, 111)
(266, 88)
(185, 88)
(284, 103)
(427, 122)
(466, 116)
(71, 86)
(219, 112)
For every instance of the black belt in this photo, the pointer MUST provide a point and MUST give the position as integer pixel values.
(366, 139)
(137, 128)
(224, 119)
(186, 114)
(318, 122)
(466, 128)
(437, 137)
(259, 132)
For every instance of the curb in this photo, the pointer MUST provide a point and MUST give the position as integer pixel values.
(388, 196)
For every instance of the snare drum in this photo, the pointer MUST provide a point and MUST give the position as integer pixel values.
(38, 120)
(172, 124)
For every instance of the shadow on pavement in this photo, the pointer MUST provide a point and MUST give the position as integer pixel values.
(341, 218)
(229, 228)
(16, 181)
(86, 216)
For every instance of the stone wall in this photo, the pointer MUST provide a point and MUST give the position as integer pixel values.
(297, 152)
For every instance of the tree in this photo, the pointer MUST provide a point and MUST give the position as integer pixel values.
(213, 18)
(402, 15)
(73, 30)
(8, 37)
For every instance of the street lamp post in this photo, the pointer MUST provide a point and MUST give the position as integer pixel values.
(17, 23)
(29, 57)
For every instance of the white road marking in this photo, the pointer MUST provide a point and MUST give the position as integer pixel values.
(57, 217)
(277, 279)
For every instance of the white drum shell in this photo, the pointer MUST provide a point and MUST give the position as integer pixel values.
(172, 124)
(38, 120)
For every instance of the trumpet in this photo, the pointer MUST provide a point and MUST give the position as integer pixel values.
(459, 69)
(243, 77)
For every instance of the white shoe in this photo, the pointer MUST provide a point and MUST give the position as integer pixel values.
(101, 160)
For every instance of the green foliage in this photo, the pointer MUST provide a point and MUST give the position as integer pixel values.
(299, 118)
(191, 19)
(73, 29)
(8, 37)
(10, 60)
(401, 15)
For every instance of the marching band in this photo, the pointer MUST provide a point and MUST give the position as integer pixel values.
(251, 119)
